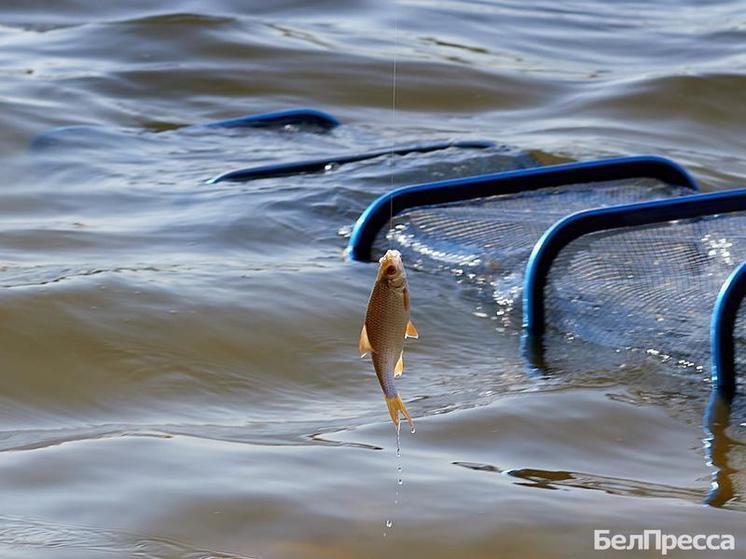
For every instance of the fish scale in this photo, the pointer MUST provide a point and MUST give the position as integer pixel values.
(386, 322)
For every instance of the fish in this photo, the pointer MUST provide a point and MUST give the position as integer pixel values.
(386, 325)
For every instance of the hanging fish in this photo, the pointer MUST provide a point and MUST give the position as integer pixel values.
(386, 325)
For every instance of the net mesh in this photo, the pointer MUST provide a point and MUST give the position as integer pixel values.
(489, 240)
(650, 289)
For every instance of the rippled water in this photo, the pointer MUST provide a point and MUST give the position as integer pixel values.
(180, 376)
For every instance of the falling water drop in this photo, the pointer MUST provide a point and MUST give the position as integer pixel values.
(399, 480)
(398, 441)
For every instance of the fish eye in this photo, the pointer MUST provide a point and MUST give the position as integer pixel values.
(390, 270)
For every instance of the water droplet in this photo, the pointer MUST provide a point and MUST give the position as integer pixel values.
(398, 453)
(398, 469)
(389, 524)
(398, 445)
(400, 481)
(412, 430)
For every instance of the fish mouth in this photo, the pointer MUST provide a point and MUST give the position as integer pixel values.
(391, 267)
(391, 254)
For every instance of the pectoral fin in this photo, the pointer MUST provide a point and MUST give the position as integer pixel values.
(411, 331)
(399, 369)
(364, 343)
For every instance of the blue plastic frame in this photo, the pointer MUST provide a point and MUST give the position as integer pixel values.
(375, 217)
(300, 117)
(321, 121)
(722, 331)
(318, 165)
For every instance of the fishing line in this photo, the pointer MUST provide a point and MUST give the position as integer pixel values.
(393, 129)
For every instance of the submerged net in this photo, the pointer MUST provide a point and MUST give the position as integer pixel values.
(489, 240)
(650, 289)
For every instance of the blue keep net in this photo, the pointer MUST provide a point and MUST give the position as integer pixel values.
(647, 291)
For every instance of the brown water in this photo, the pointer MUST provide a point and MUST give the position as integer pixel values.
(179, 367)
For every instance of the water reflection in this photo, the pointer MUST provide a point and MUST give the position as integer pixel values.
(561, 479)
(718, 446)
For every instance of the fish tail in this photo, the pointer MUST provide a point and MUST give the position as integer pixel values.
(396, 406)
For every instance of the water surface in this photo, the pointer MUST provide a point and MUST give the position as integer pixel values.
(180, 376)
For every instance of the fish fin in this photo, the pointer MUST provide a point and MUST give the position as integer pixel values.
(399, 369)
(396, 406)
(364, 343)
(411, 331)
